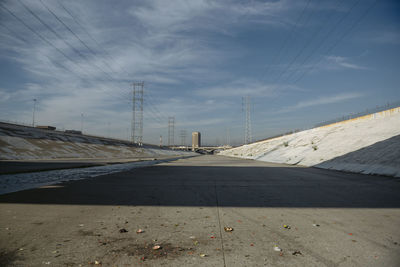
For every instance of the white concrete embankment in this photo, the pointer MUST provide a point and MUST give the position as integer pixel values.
(369, 144)
(27, 143)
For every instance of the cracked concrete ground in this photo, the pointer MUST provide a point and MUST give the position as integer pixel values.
(335, 219)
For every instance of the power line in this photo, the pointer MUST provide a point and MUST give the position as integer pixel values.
(355, 23)
(75, 19)
(52, 45)
(38, 34)
(316, 33)
(73, 33)
(327, 35)
(171, 128)
(61, 38)
(300, 51)
(277, 55)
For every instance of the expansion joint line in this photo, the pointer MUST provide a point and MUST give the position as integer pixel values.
(219, 222)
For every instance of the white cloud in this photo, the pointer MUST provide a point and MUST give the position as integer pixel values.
(324, 100)
(241, 88)
(343, 62)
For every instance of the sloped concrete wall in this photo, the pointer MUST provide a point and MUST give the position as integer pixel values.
(324, 144)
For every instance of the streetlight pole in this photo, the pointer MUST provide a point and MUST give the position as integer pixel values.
(81, 122)
(33, 113)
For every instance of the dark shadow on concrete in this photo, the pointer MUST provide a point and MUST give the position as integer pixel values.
(385, 153)
(169, 185)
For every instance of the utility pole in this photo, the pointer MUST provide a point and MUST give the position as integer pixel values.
(246, 106)
(183, 137)
(171, 126)
(33, 113)
(81, 122)
(137, 113)
(227, 137)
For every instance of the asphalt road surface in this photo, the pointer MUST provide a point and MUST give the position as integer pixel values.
(331, 218)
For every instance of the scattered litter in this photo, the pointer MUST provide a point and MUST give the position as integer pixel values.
(297, 252)
(21, 249)
(286, 226)
(156, 247)
(203, 255)
(192, 237)
(316, 225)
(7, 228)
(55, 251)
(190, 253)
(81, 225)
(228, 229)
(97, 262)
(350, 234)
(46, 262)
(123, 230)
(212, 237)
(239, 221)
(196, 242)
(276, 248)
(251, 244)
(143, 258)
(139, 231)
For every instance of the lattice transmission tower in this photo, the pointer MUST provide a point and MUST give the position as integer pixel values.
(137, 113)
(246, 107)
(171, 128)
(183, 137)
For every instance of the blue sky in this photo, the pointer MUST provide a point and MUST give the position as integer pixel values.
(301, 62)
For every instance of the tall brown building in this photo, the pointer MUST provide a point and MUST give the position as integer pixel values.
(196, 140)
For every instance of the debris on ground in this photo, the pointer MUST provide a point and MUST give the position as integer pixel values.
(81, 225)
(251, 244)
(156, 247)
(276, 248)
(350, 234)
(212, 237)
(192, 237)
(203, 255)
(97, 262)
(123, 230)
(316, 225)
(297, 252)
(228, 229)
(139, 231)
(196, 242)
(286, 226)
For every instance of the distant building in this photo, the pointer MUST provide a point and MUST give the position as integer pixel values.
(196, 140)
(46, 127)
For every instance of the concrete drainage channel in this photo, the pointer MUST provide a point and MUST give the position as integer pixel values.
(22, 181)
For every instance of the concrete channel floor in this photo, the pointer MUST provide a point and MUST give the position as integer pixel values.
(335, 218)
